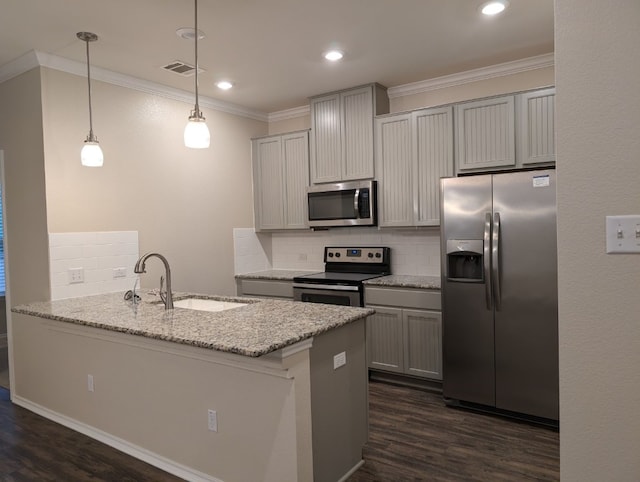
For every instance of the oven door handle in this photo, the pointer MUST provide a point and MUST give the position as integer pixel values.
(325, 287)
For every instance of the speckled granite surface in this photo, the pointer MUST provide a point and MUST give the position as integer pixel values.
(406, 281)
(275, 274)
(260, 327)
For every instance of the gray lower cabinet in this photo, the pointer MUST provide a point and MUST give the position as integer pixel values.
(280, 179)
(405, 340)
(264, 288)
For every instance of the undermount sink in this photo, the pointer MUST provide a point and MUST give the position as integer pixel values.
(206, 304)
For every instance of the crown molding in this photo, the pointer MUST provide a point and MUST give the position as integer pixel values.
(18, 66)
(483, 73)
(34, 59)
(292, 113)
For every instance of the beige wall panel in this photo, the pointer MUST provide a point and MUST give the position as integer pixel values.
(531, 79)
(156, 394)
(184, 202)
(598, 117)
(25, 207)
(290, 125)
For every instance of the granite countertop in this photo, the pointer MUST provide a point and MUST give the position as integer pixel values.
(260, 327)
(406, 281)
(275, 274)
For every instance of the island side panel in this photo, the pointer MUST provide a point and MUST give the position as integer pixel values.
(339, 401)
(158, 400)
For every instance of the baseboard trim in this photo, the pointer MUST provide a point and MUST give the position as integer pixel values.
(122, 445)
(351, 472)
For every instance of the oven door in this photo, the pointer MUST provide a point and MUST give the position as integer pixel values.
(329, 294)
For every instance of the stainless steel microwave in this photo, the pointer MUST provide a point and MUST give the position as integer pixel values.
(342, 204)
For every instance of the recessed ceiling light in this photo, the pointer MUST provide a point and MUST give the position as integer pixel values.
(494, 8)
(224, 85)
(188, 33)
(333, 55)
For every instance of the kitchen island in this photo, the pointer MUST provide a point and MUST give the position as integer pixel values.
(145, 380)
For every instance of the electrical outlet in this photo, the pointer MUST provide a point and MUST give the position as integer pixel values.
(76, 275)
(339, 360)
(90, 386)
(212, 420)
(119, 273)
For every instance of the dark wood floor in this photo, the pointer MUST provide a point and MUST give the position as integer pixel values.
(412, 437)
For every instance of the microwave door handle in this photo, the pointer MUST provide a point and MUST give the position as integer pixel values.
(356, 203)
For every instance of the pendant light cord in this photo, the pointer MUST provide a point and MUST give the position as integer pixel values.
(197, 34)
(91, 136)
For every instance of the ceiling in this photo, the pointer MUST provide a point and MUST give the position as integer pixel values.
(272, 49)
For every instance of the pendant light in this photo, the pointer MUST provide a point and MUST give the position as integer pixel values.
(196, 133)
(91, 154)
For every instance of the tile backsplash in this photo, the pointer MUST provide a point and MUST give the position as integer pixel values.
(413, 252)
(104, 260)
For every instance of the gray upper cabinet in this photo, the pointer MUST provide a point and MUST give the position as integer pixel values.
(342, 133)
(413, 151)
(510, 132)
(280, 178)
(536, 134)
(485, 133)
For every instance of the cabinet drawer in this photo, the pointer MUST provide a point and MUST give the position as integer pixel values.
(271, 289)
(402, 297)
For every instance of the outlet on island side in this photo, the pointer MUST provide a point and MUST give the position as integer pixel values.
(339, 360)
(212, 420)
(90, 386)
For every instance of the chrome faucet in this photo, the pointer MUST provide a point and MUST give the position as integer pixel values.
(167, 298)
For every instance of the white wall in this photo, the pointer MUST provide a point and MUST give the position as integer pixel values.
(413, 252)
(98, 254)
(183, 202)
(598, 150)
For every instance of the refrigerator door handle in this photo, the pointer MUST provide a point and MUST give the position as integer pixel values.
(487, 260)
(495, 260)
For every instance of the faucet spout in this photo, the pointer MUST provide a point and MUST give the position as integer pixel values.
(140, 267)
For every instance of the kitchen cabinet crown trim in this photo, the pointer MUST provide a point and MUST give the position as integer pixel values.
(475, 75)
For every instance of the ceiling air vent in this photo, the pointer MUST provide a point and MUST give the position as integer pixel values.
(181, 68)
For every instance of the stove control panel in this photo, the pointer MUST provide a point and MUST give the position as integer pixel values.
(356, 255)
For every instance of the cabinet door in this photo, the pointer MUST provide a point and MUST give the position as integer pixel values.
(384, 340)
(485, 132)
(268, 183)
(394, 170)
(433, 157)
(423, 343)
(295, 157)
(326, 144)
(536, 138)
(357, 133)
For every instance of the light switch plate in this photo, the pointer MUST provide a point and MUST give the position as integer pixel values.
(623, 234)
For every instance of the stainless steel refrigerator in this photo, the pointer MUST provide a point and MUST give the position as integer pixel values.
(499, 292)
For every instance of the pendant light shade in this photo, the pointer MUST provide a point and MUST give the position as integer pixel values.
(196, 132)
(91, 154)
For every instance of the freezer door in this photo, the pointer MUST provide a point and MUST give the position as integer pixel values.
(468, 336)
(526, 303)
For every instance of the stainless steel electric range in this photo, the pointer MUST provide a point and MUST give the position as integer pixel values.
(345, 270)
